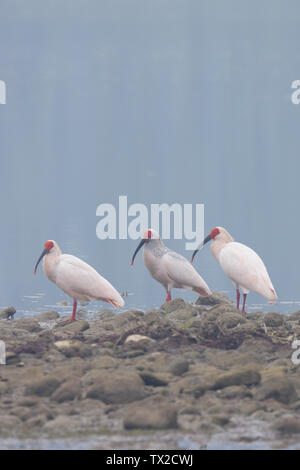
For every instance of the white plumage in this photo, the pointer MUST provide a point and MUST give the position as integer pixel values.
(76, 278)
(246, 269)
(241, 264)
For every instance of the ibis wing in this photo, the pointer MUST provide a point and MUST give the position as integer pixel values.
(246, 269)
(79, 280)
(183, 274)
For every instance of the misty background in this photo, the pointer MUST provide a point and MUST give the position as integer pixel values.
(162, 101)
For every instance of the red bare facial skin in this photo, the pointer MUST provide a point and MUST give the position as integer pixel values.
(147, 235)
(49, 245)
(214, 232)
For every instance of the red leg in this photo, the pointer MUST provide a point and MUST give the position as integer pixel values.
(73, 317)
(237, 299)
(168, 296)
(244, 302)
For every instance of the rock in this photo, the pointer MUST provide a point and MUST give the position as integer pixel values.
(172, 305)
(157, 326)
(244, 376)
(29, 401)
(182, 315)
(47, 316)
(278, 387)
(229, 359)
(113, 330)
(273, 319)
(3, 388)
(127, 321)
(92, 377)
(199, 379)
(73, 348)
(153, 379)
(8, 422)
(189, 410)
(71, 368)
(258, 347)
(104, 362)
(218, 367)
(155, 362)
(214, 299)
(43, 386)
(38, 347)
(230, 320)
(60, 425)
(36, 422)
(234, 391)
(11, 358)
(275, 371)
(117, 387)
(178, 312)
(221, 419)
(22, 412)
(106, 314)
(140, 340)
(208, 328)
(148, 417)
(81, 314)
(129, 353)
(7, 313)
(73, 328)
(193, 385)
(68, 391)
(179, 367)
(129, 315)
(28, 324)
(287, 425)
(293, 316)
(224, 327)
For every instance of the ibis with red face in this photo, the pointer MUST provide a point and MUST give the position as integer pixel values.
(241, 264)
(76, 278)
(168, 267)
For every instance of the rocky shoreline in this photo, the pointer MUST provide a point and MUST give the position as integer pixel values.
(193, 371)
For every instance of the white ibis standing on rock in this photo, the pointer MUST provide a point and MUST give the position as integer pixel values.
(241, 264)
(168, 267)
(76, 278)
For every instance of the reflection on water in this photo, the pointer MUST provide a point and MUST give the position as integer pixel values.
(280, 307)
(32, 305)
(158, 440)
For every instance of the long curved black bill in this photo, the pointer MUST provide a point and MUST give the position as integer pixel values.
(206, 239)
(138, 248)
(44, 252)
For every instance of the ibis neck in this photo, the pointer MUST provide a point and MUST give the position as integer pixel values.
(156, 246)
(217, 246)
(50, 262)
